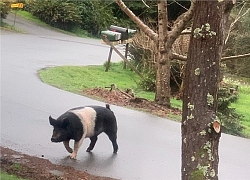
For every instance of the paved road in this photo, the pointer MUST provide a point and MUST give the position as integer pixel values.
(150, 147)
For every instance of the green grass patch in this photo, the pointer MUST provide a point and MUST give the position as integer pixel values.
(6, 176)
(77, 78)
(242, 107)
(29, 16)
(9, 27)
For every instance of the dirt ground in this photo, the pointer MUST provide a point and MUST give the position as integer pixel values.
(36, 168)
(121, 98)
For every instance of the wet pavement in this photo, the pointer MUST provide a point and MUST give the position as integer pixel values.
(149, 146)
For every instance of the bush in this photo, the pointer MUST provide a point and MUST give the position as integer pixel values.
(230, 119)
(91, 16)
(61, 14)
(5, 8)
(96, 15)
(142, 55)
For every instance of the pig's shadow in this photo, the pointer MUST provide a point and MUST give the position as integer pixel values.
(90, 160)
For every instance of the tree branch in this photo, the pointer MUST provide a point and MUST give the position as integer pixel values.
(236, 19)
(184, 58)
(180, 57)
(180, 23)
(235, 57)
(147, 30)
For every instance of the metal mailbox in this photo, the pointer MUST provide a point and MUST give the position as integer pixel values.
(111, 35)
(123, 31)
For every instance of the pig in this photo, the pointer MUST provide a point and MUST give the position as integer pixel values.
(84, 122)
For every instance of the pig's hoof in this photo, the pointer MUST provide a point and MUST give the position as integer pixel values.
(88, 150)
(72, 156)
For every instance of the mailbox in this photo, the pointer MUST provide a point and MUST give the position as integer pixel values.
(111, 35)
(123, 31)
(116, 33)
(131, 33)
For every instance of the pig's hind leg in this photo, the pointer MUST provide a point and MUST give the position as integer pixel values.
(92, 143)
(113, 136)
(66, 145)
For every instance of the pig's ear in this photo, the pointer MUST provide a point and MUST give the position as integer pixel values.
(52, 121)
(65, 122)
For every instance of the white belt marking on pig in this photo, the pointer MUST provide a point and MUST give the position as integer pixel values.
(88, 117)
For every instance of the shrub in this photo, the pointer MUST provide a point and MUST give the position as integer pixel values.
(5, 8)
(229, 118)
(61, 14)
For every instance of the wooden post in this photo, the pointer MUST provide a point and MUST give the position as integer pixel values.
(124, 59)
(15, 18)
(126, 55)
(109, 59)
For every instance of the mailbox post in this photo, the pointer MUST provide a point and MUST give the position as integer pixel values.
(118, 35)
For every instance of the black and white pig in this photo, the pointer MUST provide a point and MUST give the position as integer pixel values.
(84, 122)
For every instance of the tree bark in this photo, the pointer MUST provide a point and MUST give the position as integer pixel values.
(200, 125)
(162, 95)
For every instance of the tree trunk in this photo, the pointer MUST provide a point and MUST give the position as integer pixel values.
(200, 125)
(163, 40)
(162, 95)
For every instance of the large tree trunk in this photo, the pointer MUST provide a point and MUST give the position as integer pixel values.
(200, 126)
(162, 94)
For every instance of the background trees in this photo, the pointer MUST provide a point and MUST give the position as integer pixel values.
(4, 8)
(91, 16)
(239, 39)
(61, 14)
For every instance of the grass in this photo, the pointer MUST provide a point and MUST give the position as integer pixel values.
(30, 17)
(6, 176)
(8, 27)
(242, 105)
(77, 78)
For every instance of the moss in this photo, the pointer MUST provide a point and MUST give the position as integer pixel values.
(201, 153)
(190, 106)
(192, 158)
(197, 175)
(197, 71)
(203, 133)
(190, 117)
(210, 99)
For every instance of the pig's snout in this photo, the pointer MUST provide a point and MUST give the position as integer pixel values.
(53, 139)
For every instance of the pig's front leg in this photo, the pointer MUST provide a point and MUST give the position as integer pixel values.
(66, 145)
(77, 145)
